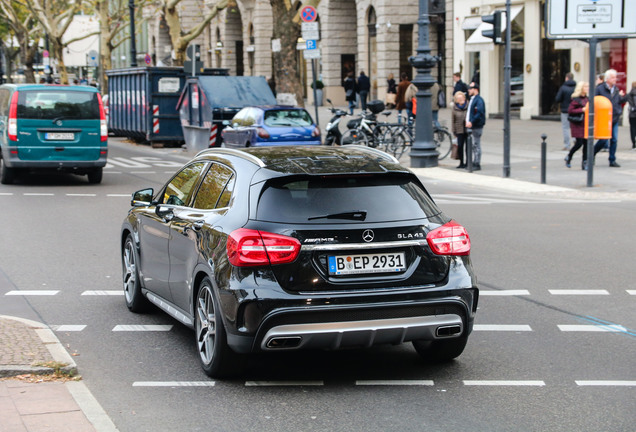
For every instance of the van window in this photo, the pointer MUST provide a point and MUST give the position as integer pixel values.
(54, 104)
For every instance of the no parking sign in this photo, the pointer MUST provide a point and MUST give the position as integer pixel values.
(308, 14)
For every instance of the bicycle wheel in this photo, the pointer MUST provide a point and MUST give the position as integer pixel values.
(395, 142)
(355, 137)
(443, 142)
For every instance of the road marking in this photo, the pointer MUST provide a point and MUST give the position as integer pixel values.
(68, 328)
(139, 327)
(126, 163)
(607, 383)
(6, 194)
(38, 194)
(578, 292)
(120, 195)
(395, 382)
(143, 172)
(33, 293)
(631, 292)
(282, 383)
(103, 293)
(174, 384)
(504, 292)
(501, 327)
(112, 172)
(615, 328)
(503, 383)
(80, 195)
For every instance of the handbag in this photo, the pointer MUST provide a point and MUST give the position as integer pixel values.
(576, 118)
(349, 93)
(390, 98)
(455, 152)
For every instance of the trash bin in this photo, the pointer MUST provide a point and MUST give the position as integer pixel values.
(206, 101)
(603, 111)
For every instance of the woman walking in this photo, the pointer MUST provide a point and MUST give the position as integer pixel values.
(577, 128)
(459, 125)
(349, 85)
(631, 98)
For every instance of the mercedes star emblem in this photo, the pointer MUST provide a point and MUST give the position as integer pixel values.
(58, 122)
(368, 236)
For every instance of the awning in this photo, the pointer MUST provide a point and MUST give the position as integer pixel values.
(478, 42)
(471, 23)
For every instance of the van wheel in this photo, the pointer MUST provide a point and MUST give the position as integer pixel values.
(95, 176)
(7, 175)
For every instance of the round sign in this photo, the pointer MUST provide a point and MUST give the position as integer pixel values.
(147, 59)
(308, 14)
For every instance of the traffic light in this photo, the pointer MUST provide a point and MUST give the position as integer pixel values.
(495, 33)
(193, 65)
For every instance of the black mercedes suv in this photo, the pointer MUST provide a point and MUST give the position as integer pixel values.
(285, 248)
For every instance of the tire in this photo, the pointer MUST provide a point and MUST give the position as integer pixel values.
(355, 137)
(95, 176)
(443, 142)
(217, 358)
(135, 300)
(7, 175)
(441, 350)
(395, 142)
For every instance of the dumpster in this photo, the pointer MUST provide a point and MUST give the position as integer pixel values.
(142, 103)
(206, 101)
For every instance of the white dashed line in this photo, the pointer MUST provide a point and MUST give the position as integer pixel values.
(143, 172)
(80, 195)
(395, 383)
(33, 293)
(631, 292)
(173, 384)
(103, 293)
(504, 293)
(503, 383)
(592, 328)
(38, 194)
(606, 383)
(6, 194)
(578, 292)
(502, 327)
(282, 383)
(139, 327)
(119, 195)
(68, 328)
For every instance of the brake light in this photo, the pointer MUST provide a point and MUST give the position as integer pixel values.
(449, 239)
(262, 133)
(103, 127)
(12, 130)
(246, 247)
(316, 131)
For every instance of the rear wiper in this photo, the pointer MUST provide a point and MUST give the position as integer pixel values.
(353, 215)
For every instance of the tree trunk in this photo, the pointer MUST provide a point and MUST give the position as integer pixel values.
(286, 60)
(174, 28)
(29, 58)
(58, 52)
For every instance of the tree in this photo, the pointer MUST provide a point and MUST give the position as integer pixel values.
(26, 31)
(179, 38)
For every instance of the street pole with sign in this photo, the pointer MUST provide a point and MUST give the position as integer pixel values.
(310, 34)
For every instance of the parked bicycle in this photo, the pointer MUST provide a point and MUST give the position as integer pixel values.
(402, 135)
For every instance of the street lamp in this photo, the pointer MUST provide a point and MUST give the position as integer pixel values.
(423, 152)
(133, 49)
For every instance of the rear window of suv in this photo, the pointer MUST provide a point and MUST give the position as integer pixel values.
(56, 104)
(341, 200)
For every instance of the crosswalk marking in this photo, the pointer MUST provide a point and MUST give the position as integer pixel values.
(502, 327)
(68, 328)
(282, 383)
(103, 293)
(174, 384)
(503, 292)
(578, 292)
(141, 327)
(33, 293)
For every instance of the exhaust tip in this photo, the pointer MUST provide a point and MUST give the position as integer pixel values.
(284, 342)
(446, 331)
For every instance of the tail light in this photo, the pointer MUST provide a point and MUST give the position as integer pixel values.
(12, 130)
(247, 247)
(316, 131)
(103, 127)
(262, 133)
(449, 239)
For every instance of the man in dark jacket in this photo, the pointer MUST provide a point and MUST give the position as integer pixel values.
(475, 120)
(564, 97)
(364, 85)
(459, 84)
(617, 98)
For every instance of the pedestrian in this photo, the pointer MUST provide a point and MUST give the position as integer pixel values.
(631, 98)
(459, 124)
(349, 85)
(400, 103)
(617, 97)
(435, 106)
(460, 86)
(391, 91)
(409, 98)
(475, 120)
(600, 79)
(564, 97)
(577, 108)
(364, 85)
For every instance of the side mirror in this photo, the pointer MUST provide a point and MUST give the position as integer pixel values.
(142, 198)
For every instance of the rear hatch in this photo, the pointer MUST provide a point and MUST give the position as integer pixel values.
(360, 232)
(58, 124)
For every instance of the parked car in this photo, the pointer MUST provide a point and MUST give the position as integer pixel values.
(271, 125)
(299, 247)
(52, 127)
(516, 91)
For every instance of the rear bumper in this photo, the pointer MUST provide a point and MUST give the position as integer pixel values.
(13, 161)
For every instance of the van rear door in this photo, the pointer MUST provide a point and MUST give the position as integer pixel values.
(58, 124)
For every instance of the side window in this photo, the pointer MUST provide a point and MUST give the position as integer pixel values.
(213, 187)
(250, 118)
(239, 118)
(180, 189)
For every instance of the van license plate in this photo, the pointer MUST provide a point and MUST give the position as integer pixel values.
(59, 136)
(368, 263)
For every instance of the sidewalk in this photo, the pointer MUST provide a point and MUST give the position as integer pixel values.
(31, 399)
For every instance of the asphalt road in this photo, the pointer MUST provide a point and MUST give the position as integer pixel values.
(553, 349)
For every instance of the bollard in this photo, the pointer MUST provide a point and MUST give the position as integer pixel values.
(469, 150)
(543, 157)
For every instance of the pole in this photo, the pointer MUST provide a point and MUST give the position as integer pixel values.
(133, 48)
(544, 155)
(590, 127)
(313, 75)
(507, 69)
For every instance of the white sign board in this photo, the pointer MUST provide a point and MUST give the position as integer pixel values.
(311, 54)
(276, 45)
(310, 30)
(584, 19)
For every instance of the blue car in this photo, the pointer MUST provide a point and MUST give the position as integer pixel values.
(271, 125)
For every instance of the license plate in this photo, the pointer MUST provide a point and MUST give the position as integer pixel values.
(59, 136)
(368, 263)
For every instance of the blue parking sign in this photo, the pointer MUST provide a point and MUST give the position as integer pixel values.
(311, 44)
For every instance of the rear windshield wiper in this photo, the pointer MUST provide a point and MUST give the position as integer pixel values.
(353, 215)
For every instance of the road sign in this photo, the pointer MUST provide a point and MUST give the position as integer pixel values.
(147, 59)
(584, 19)
(311, 44)
(311, 53)
(310, 30)
(308, 14)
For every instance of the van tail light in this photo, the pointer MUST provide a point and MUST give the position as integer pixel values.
(315, 132)
(449, 239)
(247, 247)
(103, 127)
(262, 133)
(12, 130)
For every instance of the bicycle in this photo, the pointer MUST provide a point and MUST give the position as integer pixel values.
(402, 135)
(366, 130)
